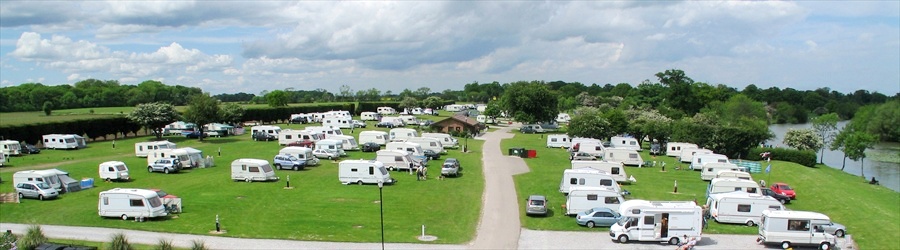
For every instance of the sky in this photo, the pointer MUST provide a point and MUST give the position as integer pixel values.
(253, 46)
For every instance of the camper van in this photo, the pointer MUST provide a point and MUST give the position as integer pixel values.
(386, 110)
(628, 157)
(740, 207)
(46, 176)
(337, 122)
(699, 160)
(428, 143)
(621, 142)
(10, 147)
(563, 118)
(363, 171)
(674, 149)
(379, 137)
(559, 141)
(288, 136)
(659, 221)
(403, 133)
(189, 157)
(58, 141)
(395, 159)
(712, 169)
(793, 228)
(585, 177)
(302, 153)
(130, 203)
(348, 143)
(252, 170)
(726, 185)
(325, 132)
(584, 198)
(734, 174)
(614, 169)
(142, 148)
(446, 139)
(415, 151)
(687, 154)
(113, 170)
(332, 145)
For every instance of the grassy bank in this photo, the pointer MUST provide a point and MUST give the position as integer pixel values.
(845, 198)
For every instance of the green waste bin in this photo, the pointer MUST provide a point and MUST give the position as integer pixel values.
(520, 152)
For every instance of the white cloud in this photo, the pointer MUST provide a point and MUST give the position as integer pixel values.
(73, 77)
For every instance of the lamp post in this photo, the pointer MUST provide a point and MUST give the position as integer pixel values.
(381, 203)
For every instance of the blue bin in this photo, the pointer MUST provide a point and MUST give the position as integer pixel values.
(87, 183)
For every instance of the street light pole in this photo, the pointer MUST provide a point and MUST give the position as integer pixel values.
(381, 203)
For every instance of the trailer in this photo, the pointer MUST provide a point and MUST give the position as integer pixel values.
(740, 207)
(288, 136)
(659, 221)
(687, 155)
(628, 157)
(699, 160)
(10, 147)
(250, 170)
(113, 170)
(583, 198)
(614, 169)
(674, 149)
(379, 137)
(622, 142)
(363, 172)
(559, 141)
(141, 149)
(711, 170)
(58, 141)
(586, 177)
(190, 157)
(130, 203)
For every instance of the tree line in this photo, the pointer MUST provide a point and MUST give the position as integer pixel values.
(91, 93)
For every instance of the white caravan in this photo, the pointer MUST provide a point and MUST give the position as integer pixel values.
(711, 170)
(628, 157)
(272, 130)
(563, 118)
(369, 116)
(396, 121)
(332, 145)
(252, 170)
(673, 149)
(408, 119)
(2, 159)
(379, 137)
(141, 149)
(584, 198)
(348, 143)
(325, 132)
(58, 141)
(189, 157)
(559, 141)
(302, 153)
(792, 228)
(699, 160)
(740, 207)
(386, 110)
(403, 133)
(586, 177)
(621, 142)
(727, 185)
(454, 107)
(687, 154)
(590, 147)
(428, 143)
(446, 139)
(178, 127)
(10, 147)
(395, 159)
(415, 151)
(113, 170)
(337, 121)
(338, 113)
(614, 169)
(48, 176)
(734, 174)
(659, 221)
(130, 203)
(363, 171)
(485, 119)
(288, 136)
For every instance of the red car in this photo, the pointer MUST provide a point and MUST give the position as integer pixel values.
(784, 189)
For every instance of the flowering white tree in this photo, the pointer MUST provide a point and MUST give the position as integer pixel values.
(803, 139)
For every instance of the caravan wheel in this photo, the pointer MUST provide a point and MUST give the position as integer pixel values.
(21, 196)
(124, 217)
(247, 179)
(359, 182)
(750, 223)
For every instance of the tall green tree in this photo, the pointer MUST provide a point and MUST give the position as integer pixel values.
(432, 102)
(826, 128)
(202, 109)
(803, 139)
(231, 113)
(409, 103)
(854, 144)
(154, 116)
(588, 122)
(680, 94)
(277, 98)
(530, 102)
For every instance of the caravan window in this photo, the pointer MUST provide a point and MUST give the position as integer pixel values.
(110, 169)
(266, 168)
(155, 202)
(70, 140)
(137, 203)
(798, 225)
(552, 139)
(371, 170)
(606, 182)
(140, 148)
(633, 156)
(775, 207)
(648, 220)
(352, 170)
(383, 171)
(611, 200)
(599, 148)
(573, 181)
(287, 137)
(580, 181)
(614, 170)
(751, 190)
(398, 158)
(254, 169)
(592, 197)
(105, 200)
(743, 208)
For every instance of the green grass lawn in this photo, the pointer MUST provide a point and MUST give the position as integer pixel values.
(318, 208)
(846, 198)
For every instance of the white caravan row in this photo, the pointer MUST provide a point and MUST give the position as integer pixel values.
(58, 141)
(740, 207)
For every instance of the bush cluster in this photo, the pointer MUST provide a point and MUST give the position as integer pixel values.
(802, 157)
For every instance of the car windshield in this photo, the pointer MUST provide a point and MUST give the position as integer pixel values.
(43, 185)
(537, 202)
(785, 187)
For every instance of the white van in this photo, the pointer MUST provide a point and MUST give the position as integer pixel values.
(740, 207)
(272, 130)
(189, 157)
(130, 203)
(659, 221)
(792, 228)
(428, 143)
(727, 185)
(369, 116)
(687, 154)
(712, 169)
(142, 148)
(10, 147)
(699, 160)
(337, 121)
(559, 141)
(386, 110)
(673, 149)
(113, 170)
(614, 169)
(252, 170)
(325, 132)
(58, 141)
(363, 171)
(414, 150)
(379, 137)
(621, 142)
(46, 176)
(332, 145)
(348, 143)
(395, 159)
(446, 139)
(734, 174)
(403, 133)
(584, 198)
(585, 177)
(628, 157)
(288, 136)
(302, 153)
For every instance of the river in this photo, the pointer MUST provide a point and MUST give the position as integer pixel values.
(887, 173)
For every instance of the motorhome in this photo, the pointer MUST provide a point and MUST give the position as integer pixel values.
(614, 169)
(302, 153)
(252, 170)
(415, 151)
(428, 143)
(485, 119)
(178, 127)
(687, 154)
(698, 161)
(386, 110)
(584, 198)
(793, 228)
(189, 157)
(10, 147)
(446, 139)
(403, 133)
(629, 157)
(563, 118)
(593, 148)
(58, 141)
(348, 143)
(288, 136)
(559, 141)
(454, 108)
(332, 145)
(674, 149)
(585, 177)
(114, 170)
(379, 137)
(272, 130)
(726, 185)
(130, 203)
(369, 116)
(142, 148)
(621, 142)
(46, 176)
(740, 207)
(711, 170)
(659, 221)
(363, 171)
(408, 119)
(734, 174)
(325, 132)
(337, 122)
(395, 159)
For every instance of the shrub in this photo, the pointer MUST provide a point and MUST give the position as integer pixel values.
(8, 241)
(802, 157)
(164, 245)
(33, 238)
(120, 242)
(198, 245)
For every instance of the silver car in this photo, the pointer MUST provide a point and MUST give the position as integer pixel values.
(835, 228)
(36, 189)
(450, 169)
(536, 205)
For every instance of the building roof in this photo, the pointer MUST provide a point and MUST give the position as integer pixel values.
(469, 121)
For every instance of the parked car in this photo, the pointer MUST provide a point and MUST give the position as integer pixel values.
(36, 189)
(784, 189)
(288, 162)
(536, 205)
(450, 168)
(263, 136)
(426, 123)
(582, 156)
(325, 154)
(167, 165)
(358, 124)
(453, 161)
(370, 147)
(598, 216)
(782, 198)
(30, 149)
(303, 143)
(655, 149)
(835, 228)
(385, 125)
(527, 130)
(431, 154)
(195, 135)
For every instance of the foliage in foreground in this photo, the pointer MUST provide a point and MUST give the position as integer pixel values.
(33, 238)
(119, 242)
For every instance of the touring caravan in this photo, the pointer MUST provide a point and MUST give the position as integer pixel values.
(288, 136)
(584, 198)
(726, 185)
(337, 122)
(114, 170)
(428, 143)
(178, 127)
(559, 141)
(325, 132)
(379, 137)
(403, 133)
(348, 143)
(454, 108)
(141, 149)
(446, 139)
(415, 151)
(734, 174)
(591, 147)
(58, 141)
(386, 110)
(740, 207)
(621, 142)
(712, 169)
(585, 177)
(130, 203)
(659, 221)
(252, 170)
(674, 149)
(10, 147)
(218, 129)
(369, 116)
(332, 145)
(687, 154)
(563, 118)
(485, 119)
(614, 169)
(302, 153)
(408, 119)
(395, 159)
(189, 157)
(45, 176)
(363, 171)
(792, 228)
(628, 157)
(272, 130)
(699, 160)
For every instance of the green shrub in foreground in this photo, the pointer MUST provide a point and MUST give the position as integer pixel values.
(805, 158)
(119, 242)
(198, 245)
(163, 244)
(33, 238)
